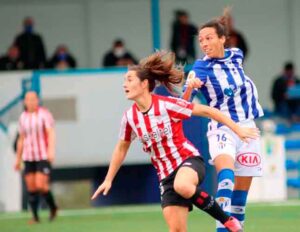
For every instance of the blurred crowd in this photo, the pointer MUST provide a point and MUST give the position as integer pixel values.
(27, 52)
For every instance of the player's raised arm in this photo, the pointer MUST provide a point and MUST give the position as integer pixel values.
(190, 88)
(117, 159)
(243, 132)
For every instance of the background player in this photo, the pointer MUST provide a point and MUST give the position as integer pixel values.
(157, 122)
(36, 147)
(225, 86)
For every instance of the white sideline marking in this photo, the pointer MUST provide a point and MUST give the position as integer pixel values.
(130, 210)
(88, 212)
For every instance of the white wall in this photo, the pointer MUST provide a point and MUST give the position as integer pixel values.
(11, 85)
(88, 27)
(100, 104)
(10, 180)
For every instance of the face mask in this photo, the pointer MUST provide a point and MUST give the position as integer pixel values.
(119, 52)
(28, 28)
(62, 56)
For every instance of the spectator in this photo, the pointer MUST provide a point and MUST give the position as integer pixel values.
(118, 55)
(288, 108)
(12, 60)
(32, 51)
(182, 41)
(62, 59)
(235, 38)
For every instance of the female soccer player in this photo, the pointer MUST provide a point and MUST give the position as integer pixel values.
(157, 122)
(225, 86)
(35, 146)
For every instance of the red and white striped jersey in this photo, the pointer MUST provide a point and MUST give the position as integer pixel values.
(33, 126)
(160, 131)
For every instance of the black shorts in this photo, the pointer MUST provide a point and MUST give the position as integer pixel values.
(42, 166)
(167, 192)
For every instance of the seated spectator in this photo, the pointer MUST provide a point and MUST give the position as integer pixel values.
(283, 106)
(12, 60)
(118, 55)
(62, 59)
(32, 50)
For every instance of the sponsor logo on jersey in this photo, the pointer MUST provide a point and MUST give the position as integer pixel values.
(158, 133)
(249, 159)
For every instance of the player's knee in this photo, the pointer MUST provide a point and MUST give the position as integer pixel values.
(31, 188)
(186, 190)
(42, 188)
(177, 228)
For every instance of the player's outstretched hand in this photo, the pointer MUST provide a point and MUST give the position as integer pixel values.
(246, 133)
(103, 188)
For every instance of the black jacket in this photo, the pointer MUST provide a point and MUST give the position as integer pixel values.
(32, 51)
(183, 36)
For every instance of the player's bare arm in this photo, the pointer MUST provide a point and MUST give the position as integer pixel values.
(243, 132)
(51, 144)
(192, 83)
(20, 144)
(118, 157)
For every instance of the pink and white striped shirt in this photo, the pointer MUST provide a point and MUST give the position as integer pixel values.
(160, 131)
(33, 126)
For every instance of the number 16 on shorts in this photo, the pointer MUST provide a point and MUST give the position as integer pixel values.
(221, 139)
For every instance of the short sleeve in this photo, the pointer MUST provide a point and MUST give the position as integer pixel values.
(48, 119)
(126, 132)
(179, 109)
(238, 54)
(200, 70)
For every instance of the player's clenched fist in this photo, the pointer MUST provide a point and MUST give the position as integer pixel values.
(193, 81)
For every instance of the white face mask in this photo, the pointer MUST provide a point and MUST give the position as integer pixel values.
(119, 52)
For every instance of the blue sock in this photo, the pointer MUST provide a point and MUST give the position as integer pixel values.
(238, 204)
(224, 193)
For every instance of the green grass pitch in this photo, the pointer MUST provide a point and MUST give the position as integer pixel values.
(260, 218)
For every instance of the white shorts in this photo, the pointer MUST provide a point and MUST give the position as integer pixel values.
(247, 156)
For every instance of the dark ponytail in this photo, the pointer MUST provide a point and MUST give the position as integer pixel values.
(220, 24)
(159, 67)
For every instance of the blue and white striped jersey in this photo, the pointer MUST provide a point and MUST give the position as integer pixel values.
(226, 86)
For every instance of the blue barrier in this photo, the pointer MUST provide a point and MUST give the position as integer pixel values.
(292, 144)
(293, 182)
(282, 128)
(293, 165)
